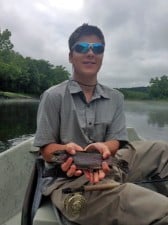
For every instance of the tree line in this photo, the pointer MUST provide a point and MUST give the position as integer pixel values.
(157, 89)
(26, 75)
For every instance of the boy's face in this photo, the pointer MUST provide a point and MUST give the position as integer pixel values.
(86, 64)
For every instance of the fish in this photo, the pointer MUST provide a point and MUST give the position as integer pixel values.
(89, 160)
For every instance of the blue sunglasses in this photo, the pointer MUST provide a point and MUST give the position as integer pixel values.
(84, 47)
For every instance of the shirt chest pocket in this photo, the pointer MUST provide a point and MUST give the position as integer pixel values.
(99, 131)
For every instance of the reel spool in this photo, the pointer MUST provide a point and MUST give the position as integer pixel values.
(74, 204)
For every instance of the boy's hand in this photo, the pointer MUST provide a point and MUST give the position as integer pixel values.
(98, 175)
(68, 166)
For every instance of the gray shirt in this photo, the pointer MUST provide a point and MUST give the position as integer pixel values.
(64, 116)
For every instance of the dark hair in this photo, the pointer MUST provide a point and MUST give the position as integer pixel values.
(85, 30)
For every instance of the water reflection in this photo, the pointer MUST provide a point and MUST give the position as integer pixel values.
(158, 118)
(149, 118)
(17, 118)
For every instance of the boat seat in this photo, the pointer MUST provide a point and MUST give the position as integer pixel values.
(45, 215)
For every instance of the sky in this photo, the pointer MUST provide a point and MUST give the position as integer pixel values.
(136, 34)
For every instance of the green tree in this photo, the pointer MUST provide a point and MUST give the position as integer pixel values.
(159, 87)
(5, 43)
(8, 75)
(59, 74)
(26, 75)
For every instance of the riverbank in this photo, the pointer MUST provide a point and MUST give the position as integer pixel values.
(12, 95)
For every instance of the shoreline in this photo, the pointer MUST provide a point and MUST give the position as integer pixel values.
(11, 95)
(5, 95)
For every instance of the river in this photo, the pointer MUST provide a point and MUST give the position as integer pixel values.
(18, 120)
(149, 118)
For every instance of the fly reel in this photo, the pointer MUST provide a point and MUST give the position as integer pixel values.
(74, 204)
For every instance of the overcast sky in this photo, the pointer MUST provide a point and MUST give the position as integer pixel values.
(136, 33)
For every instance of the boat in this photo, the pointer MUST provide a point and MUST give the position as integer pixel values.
(16, 166)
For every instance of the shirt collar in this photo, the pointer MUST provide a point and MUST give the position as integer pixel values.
(74, 88)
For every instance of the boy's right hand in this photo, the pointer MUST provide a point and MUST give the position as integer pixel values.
(68, 166)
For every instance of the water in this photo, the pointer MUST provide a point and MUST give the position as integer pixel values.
(149, 118)
(18, 120)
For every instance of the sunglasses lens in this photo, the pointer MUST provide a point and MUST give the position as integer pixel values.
(83, 47)
(98, 48)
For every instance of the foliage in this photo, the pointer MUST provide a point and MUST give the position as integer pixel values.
(26, 75)
(159, 87)
(5, 43)
(139, 93)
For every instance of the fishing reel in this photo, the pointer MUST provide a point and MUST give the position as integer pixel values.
(74, 204)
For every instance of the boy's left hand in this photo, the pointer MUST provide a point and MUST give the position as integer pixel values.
(97, 175)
